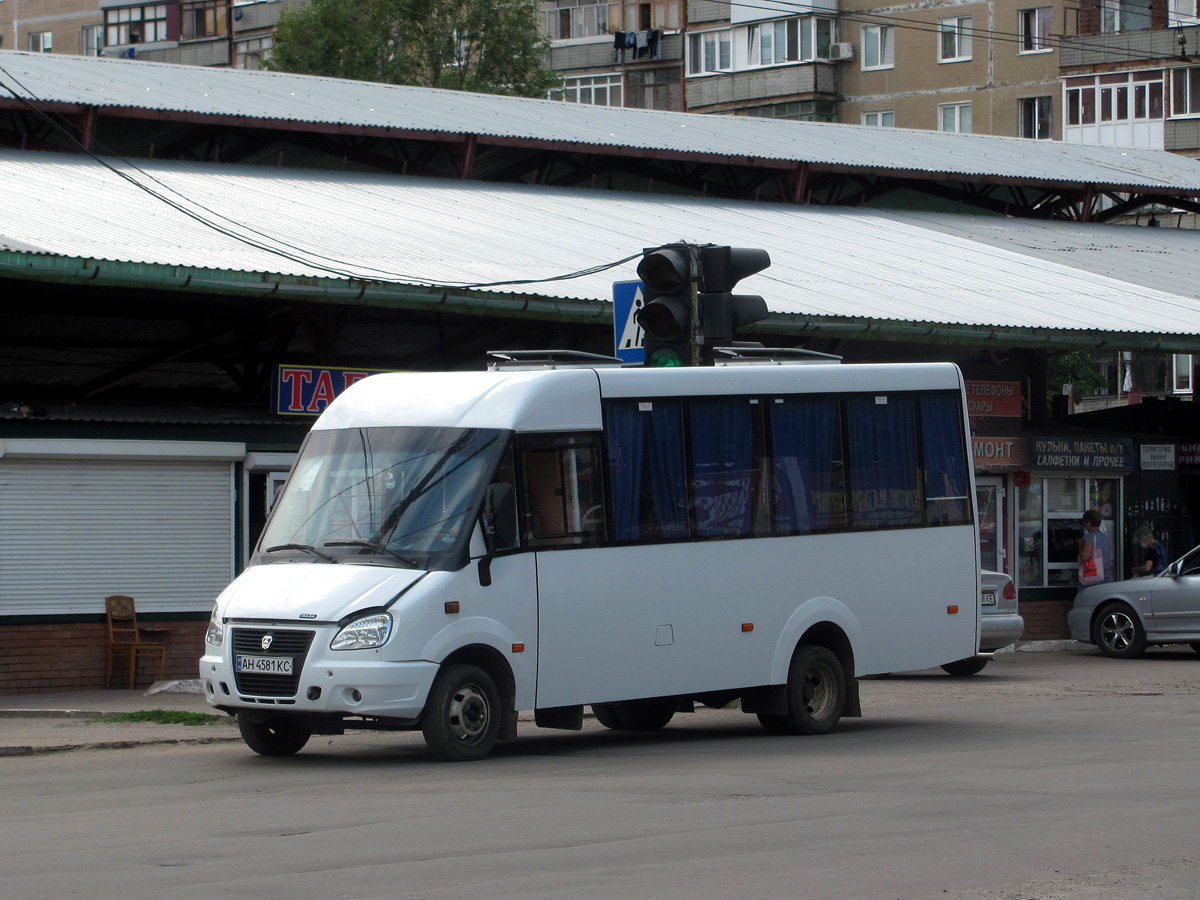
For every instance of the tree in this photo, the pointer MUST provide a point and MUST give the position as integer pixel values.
(489, 46)
(1076, 369)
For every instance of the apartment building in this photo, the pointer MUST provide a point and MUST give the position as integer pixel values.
(51, 26)
(235, 33)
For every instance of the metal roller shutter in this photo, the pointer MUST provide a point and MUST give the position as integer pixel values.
(73, 531)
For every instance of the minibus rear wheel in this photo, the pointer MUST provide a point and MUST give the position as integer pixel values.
(272, 737)
(816, 694)
(462, 716)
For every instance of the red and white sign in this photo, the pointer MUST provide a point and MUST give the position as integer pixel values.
(994, 399)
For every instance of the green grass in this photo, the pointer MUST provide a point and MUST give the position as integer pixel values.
(160, 717)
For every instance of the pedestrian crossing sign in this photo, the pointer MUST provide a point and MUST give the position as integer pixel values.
(627, 333)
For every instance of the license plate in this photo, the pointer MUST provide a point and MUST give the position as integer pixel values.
(264, 665)
(988, 598)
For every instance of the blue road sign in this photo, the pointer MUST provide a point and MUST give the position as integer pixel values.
(627, 334)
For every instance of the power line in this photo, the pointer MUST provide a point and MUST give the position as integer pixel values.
(252, 237)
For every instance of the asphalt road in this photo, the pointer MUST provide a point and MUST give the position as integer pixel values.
(1049, 776)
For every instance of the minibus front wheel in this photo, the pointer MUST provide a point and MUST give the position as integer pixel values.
(462, 716)
(273, 736)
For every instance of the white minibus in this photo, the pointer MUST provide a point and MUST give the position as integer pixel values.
(454, 548)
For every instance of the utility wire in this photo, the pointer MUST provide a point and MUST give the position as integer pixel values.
(260, 240)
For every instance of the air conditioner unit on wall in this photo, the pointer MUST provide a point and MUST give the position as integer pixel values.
(841, 51)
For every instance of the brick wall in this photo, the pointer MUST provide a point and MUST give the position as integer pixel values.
(1045, 620)
(39, 659)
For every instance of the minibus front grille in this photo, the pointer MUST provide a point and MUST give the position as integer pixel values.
(280, 644)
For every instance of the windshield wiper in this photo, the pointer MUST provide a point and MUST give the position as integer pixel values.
(307, 548)
(374, 545)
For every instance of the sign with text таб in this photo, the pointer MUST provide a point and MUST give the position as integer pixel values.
(307, 390)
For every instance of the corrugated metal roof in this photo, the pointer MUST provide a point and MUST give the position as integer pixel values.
(835, 264)
(103, 82)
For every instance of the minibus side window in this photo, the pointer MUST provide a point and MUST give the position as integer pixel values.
(884, 489)
(723, 466)
(944, 454)
(810, 474)
(561, 492)
(646, 470)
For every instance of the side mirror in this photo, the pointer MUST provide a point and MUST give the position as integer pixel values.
(500, 517)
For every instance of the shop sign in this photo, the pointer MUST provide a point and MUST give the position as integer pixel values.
(307, 390)
(1083, 454)
(999, 452)
(1158, 457)
(994, 399)
(1189, 454)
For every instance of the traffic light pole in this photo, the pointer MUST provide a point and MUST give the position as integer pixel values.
(697, 327)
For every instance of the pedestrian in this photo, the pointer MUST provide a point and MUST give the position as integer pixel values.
(1156, 553)
(1094, 546)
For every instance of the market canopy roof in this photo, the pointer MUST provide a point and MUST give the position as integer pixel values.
(423, 243)
(146, 109)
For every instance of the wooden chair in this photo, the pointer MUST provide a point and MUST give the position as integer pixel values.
(124, 637)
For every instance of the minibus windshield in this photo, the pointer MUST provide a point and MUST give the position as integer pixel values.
(398, 496)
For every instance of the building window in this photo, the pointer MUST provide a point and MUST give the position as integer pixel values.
(710, 51)
(884, 118)
(955, 117)
(1088, 101)
(773, 42)
(878, 48)
(575, 20)
(798, 110)
(1124, 15)
(595, 90)
(1183, 12)
(203, 19)
(1035, 117)
(1033, 27)
(1185, 92)
(41, 42)
(252, 53)
(1048, 527)
(1181, 364)
(662, 14)
(954, 39)
(135, 25)
(92, 40)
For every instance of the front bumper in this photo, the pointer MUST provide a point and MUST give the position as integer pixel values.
(324, 681)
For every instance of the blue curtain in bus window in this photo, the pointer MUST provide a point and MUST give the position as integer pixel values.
(805, 447)
(722, 466)
(945, 459)
(645, 452)
(883, 462)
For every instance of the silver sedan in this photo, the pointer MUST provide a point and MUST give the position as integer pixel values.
(1122, 618)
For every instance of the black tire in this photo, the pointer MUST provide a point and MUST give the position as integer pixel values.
(607, 716)
(1118, 632)
(1195, 645)
(462, 716)
(272, 737)
(816, 694)
(644, 715)
(963, 668)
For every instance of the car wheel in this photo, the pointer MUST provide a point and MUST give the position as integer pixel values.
(644, 715)
(961, 668)
(272, 737)
(1195, 645)
(462, 716)
(1118, 632)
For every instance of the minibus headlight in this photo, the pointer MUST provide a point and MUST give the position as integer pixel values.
(365, 633)
(216, 630)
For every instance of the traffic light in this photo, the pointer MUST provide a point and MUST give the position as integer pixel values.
(688, 305)
(722, 312)
(666, 313)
